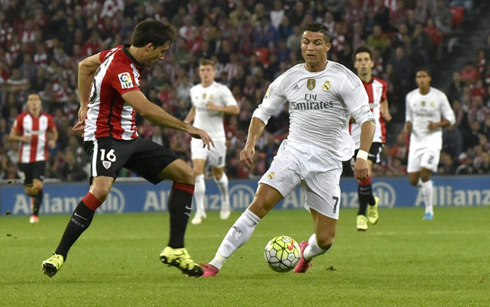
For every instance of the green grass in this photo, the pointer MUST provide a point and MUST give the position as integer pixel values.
(401, 261)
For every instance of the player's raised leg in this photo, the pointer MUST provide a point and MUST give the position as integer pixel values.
(265, 199)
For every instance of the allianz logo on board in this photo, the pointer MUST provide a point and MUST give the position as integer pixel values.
(384, 191)
(114, 203)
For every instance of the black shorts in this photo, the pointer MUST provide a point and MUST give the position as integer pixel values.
(146, 158)
(374, 153)
(34, 170)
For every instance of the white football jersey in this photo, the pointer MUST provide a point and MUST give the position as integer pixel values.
(320, 106)
(211, 121)
(420, 109)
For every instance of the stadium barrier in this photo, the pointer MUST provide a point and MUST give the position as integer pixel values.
(135, 195)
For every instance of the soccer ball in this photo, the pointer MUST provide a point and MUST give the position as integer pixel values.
(282, 253)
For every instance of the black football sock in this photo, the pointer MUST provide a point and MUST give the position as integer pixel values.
(79, 222)
(179, 207)
(364, 191)
(38, 199)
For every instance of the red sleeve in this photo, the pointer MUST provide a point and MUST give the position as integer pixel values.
(384, 95)
(50, 122)
(18, 124)
(103, 54)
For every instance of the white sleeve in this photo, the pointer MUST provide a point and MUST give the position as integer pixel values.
(408, 112)
(447, 111)
(274, 98)
(227, 97)
(356, 99)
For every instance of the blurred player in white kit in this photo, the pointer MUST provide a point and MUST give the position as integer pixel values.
(210, 101)
(427, 111)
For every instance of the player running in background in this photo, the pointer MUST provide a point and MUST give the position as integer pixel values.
(376, 90)
(109, 92)
(322, 96)
(427, 111)
(210, 101)
(35, 131)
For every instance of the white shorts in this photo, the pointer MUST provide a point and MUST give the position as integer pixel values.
(321, 189)
(216, 156)
(423, 157)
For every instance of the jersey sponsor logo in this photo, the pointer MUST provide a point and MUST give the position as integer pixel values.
(295, 88)
(125, 79)
(310, 84)
(326, 86)
(311, 105)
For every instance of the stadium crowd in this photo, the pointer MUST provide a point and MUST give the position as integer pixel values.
(251, 42)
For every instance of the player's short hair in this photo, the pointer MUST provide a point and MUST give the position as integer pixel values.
(362, 49)
(425, 69)
(152, 31)
(204, 62)
(318, 27)
(32, 92)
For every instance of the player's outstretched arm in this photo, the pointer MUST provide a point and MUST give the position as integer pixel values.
(157, 115)
(255, 130)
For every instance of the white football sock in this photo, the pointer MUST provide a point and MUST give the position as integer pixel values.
(223, 188)
(313, 250)
(427, 191)
(199, 191)
(238, 235)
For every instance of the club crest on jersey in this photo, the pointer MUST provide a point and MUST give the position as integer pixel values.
(326, 86)
(423, 103)
(310, 84)
(125, 79)
(106, 164)
(271, 176)
(267, 93)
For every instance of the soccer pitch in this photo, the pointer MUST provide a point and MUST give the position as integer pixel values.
(401, 261)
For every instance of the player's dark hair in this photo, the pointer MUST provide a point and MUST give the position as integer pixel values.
(204, 62)
(152, 31)
(32, 92)
(362, 49)
(423, 69)
(318, 27)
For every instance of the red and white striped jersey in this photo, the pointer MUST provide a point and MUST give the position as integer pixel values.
(36, 128)
(376, 90)
(108, 115)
